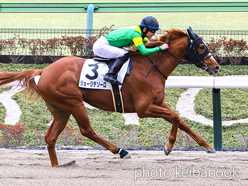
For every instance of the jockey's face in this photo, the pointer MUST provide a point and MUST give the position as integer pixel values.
(149, 33)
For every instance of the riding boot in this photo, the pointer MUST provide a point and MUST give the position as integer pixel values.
(111, 76)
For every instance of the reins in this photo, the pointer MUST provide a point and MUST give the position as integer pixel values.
(183, 60)
(189, 48)
(153, 64)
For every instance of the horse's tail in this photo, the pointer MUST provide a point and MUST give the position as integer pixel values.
(24, 79)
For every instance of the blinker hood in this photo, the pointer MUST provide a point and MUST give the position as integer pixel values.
(194, 41)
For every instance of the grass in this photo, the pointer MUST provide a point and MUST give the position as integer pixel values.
(167, 20)
(2, 108)
(151, 131)
(233, 101)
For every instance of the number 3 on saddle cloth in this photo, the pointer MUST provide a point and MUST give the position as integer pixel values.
(92, 75)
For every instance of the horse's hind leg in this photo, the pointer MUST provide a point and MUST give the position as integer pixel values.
(60, 119)
(80, 114)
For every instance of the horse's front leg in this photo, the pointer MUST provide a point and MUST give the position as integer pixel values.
(165, 112)
(183, 126)
(156, 111)
(186, 128)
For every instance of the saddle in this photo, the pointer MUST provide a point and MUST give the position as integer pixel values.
(92, 75)
(110, 62)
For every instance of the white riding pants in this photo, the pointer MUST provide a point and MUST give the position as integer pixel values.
(102, 49)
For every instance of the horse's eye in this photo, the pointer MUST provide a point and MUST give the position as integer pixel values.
(202, 47)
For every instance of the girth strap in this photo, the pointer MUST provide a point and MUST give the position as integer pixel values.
(117, 99)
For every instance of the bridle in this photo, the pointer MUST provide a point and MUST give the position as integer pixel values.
(192, 55)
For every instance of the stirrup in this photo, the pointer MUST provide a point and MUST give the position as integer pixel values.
(117, 82)
(111, 79)
(114, 81)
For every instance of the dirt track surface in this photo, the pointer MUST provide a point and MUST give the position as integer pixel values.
(32, 167)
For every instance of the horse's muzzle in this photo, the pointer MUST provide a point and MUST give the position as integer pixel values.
(214, 70)
(217, 68)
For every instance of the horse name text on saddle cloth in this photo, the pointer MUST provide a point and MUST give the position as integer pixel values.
(93, 72)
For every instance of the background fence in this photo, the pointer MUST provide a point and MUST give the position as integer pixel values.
(6, 33)
(44, 34)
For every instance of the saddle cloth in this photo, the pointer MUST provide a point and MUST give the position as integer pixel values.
(93, 72)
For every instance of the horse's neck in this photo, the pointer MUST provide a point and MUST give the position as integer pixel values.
(167, 63)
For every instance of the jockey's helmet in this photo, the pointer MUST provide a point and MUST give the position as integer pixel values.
(150, 22)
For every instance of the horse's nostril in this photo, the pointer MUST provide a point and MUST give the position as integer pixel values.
(217, 68)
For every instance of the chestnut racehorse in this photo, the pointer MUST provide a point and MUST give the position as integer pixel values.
(58, 86)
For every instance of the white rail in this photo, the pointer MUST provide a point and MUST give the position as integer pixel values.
(207, 82)
(216, 83)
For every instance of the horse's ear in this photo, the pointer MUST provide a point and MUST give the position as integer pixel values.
(191, 33)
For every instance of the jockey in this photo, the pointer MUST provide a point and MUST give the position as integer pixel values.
(110, 45)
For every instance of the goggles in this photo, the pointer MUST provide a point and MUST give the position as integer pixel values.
(152, 31)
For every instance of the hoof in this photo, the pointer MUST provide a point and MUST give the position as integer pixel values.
(210, 150)
(71, 163)
(127, 156)
(166, 151)
(123, 154)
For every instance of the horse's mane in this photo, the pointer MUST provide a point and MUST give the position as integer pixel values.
(175, 33)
